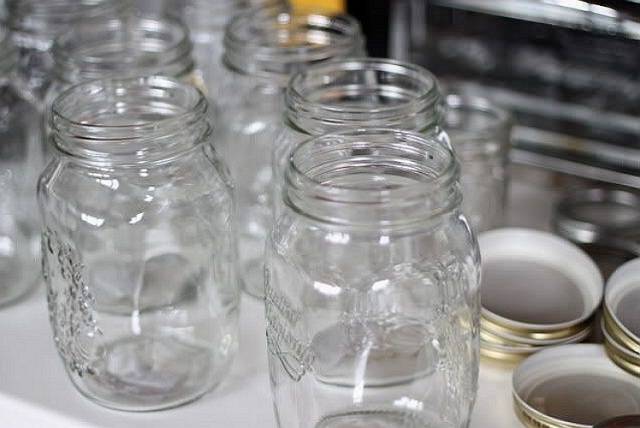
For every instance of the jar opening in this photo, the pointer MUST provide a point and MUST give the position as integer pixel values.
(123, 47)
(394, 176)
(49, 18)
(363, 92)
(144, 118)
(273, 43)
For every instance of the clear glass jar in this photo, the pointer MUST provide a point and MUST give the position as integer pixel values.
(138, 251)
(36, 23)
(372, 281)
(206, 20)
(21, 161)
(356, 93)
(480, 133)
(119, 48)
(262, 50)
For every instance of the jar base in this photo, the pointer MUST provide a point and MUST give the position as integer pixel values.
(145, 373)
(379, 419)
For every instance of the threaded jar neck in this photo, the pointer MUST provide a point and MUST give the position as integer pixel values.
(365, 92)
(129, 121)
(375, 176)
(117, 48)
(36, 23)
(274, 44)
(8, 54)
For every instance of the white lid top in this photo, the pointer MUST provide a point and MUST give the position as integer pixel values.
(535, 280)
(576, 385)
(622, 298)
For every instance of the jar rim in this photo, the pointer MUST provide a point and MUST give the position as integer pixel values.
(148, 45)
(423, 99)
(129, 139)
(259, 42)
(411, 153)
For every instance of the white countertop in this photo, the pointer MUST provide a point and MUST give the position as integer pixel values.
(35, 390)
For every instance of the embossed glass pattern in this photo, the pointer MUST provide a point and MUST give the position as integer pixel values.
(21, 161)
(480, 133)
(372, 297)
(36, 23)
(138, 247)
(356, 93)
(262, 50)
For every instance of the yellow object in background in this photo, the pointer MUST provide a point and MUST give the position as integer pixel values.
(323, 6)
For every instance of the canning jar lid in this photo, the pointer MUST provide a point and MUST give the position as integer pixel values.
(573, 386)
(621, 304)
(536, 285)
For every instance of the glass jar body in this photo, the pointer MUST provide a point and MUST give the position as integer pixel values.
(21, 161)
(376, 327)
(250, 120)
(139, 263)
(480, 133)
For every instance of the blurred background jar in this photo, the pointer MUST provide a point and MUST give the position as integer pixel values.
(21, 161)
(356, 93)
(138, 248)
(372, 286)
(480, 134)
(206, 20)
(36, 23)
(262, 50)
(118, 48)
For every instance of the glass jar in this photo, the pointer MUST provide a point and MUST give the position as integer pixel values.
(138, 252)
(356, 93)
(372, 279)
(206, 20)
(21, 161)
(262, 49)
(480, 133)
(36, 23)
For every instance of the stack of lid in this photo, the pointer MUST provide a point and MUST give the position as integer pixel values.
(621, 320)
(538, 290)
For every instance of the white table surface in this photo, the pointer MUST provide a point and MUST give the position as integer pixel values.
(35, 390)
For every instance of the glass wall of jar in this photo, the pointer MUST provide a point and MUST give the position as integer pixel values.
(21, 161)
(121, 47)
(36, 23)
(356, 93)
(138, 251)
(372, 281)
(262, 49)
(206, 20)
(480, 133)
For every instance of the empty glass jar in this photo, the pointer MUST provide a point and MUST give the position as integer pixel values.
(206, 20)
(138, 247)
(480, 134)
(356, 93)
(372, 297)
(117, 48)
(21, 161)
(262, 50)
(36, 23)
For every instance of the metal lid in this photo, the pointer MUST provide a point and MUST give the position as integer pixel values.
(609, 217)
(629, 421)
(619, 354)
(536, 286)
(621, 304)
(573, 386)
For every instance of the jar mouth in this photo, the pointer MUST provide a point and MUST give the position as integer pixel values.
(137, 117)
(363, 92)
(123, 47)
(369, 168)
(470, 120)
(276, 43)
(49, 18)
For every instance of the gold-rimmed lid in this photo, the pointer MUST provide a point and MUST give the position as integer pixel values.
(534, 337)
(621, 303)
(619, 354)
(529, 288)
(572, 386)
